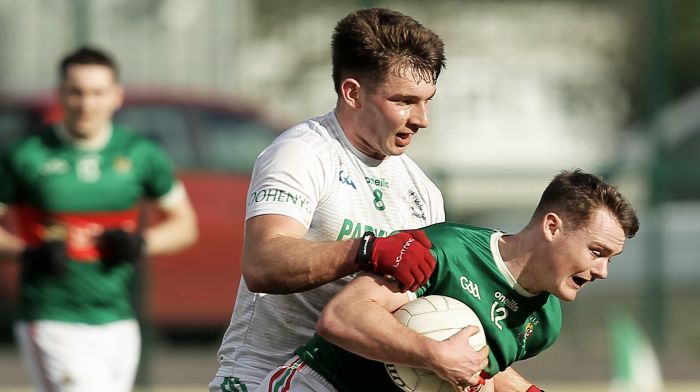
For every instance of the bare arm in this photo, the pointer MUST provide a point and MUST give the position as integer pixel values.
(359, 320)
(176, 231)
(277, 260)
(510, 381)
(10, 245)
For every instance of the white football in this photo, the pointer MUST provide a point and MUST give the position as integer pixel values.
(437, 317)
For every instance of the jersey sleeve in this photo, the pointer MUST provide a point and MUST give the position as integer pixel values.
(428, 287)
(289, 179)
(159, 178)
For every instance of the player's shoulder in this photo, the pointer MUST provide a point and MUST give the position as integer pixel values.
(551, 319)
(452, 227)
(123, 132)
(311, 136)
(448, 232)
(125, 136)
(412, 167)
(42, 138)
(553, 308)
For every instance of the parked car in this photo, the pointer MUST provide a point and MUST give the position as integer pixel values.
(214, 143)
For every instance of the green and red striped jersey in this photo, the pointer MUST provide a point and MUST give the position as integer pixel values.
(58, 189)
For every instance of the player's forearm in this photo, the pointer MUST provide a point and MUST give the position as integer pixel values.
(282, 265)
(374, 334)
(510, 381)
(10, 245)
(359, 319)
(389, 343)
(361, 322)
(175, 233)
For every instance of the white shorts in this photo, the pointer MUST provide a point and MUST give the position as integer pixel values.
(295, 376)
(73, 357)
(229, 384)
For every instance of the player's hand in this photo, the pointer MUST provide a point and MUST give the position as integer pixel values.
(483, 377)
(119, 246)
(48, 258)
(405, 256)
(459, 363)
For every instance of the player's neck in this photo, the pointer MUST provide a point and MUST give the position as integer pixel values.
(517, 257)
(92, 142)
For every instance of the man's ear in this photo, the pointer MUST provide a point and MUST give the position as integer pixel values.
(119, 95)
(350, 93)
(552, 226)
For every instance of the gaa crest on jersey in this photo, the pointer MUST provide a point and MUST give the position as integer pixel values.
(529, 329)
(87, 168)
(417, 208)
(55, 166)
(470, 287)
(122, 165)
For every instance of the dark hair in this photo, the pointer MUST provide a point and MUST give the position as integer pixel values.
(370, 43)
(85, 56)
(577, 195)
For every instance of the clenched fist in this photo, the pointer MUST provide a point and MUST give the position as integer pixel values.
(405, 256)
(119, 246)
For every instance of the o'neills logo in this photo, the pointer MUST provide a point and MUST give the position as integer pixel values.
(404, 249)
(394, 374)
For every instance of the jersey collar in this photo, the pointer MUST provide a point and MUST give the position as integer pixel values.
(94, 144)
(495, 237)
(337, 130)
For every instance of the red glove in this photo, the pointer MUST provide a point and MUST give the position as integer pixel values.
(534, 388)
(404, 256)
(483, 376)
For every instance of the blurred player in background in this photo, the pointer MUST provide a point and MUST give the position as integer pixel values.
(513, 282)
(76, 188)
(328, 181)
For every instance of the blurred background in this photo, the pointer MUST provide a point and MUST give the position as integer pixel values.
(531, 87)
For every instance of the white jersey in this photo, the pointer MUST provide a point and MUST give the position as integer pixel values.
(313, 174)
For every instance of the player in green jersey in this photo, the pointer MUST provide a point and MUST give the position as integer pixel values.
(75, 189)
(512, 281)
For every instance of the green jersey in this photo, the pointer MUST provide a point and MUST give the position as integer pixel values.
(469, 267)
(55, 187)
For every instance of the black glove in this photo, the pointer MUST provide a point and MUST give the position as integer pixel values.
(119, 246)
(48, 258)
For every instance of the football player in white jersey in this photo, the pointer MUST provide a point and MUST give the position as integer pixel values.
(327, 182)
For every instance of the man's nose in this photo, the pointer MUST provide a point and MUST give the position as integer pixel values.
(419, 115)
(600, 271)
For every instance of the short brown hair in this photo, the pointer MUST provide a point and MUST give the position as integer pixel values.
(577, 195)
(370, 43)
(86, 55)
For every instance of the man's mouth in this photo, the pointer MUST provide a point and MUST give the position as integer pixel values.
(403, 139)
(579, 281)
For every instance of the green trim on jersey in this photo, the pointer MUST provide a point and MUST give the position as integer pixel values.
(465, 270)
(54, 180)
